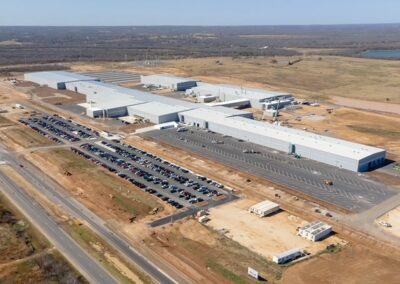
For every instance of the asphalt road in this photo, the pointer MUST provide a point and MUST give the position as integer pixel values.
(90, 269)
(349, 190)
(53, 191)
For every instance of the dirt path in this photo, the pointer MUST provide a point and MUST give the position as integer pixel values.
(367, 105)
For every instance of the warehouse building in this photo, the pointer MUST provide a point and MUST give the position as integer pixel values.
(56, 79)
(113, 101)
(287, 256)
(264, 208)
(168, 82)
(156, 112)
(328, 150)
(315, 231)
(257, 97)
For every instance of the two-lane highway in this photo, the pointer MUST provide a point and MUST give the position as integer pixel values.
(89, 268)
(53, 191)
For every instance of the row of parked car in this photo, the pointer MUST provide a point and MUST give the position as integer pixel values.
(70, 126)
(30, 123)
(134, 181)
(121, 163)
(165, 171)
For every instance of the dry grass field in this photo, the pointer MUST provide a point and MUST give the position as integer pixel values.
(313, 77)
(354, 264)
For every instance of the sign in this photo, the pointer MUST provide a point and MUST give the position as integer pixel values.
(252, 272)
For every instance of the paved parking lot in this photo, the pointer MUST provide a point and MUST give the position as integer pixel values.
(58, 129)
(171, 183)
(349, 191)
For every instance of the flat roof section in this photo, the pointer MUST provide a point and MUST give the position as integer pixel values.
(62, 76)
(300, 137)
(113, 104)
(158, 108)
(250, 93)
(213, 113)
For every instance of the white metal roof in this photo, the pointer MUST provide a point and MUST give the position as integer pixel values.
(61, 76)
(110, 104)
(300, 137)
(288, 253)
(158, 108)
(315, 227)
(264, 205)
(250, 93)
(237, 101)
(212, 113)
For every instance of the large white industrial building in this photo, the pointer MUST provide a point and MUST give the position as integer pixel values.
(114, 101)
(328, 150)
(56, 79)
(168, 82)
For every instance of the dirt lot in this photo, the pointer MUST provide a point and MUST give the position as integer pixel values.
(367, 105)
(93, 185)
(267, 236)
(207, 256)
(354, 264)
(56, 97)
(393, 218)
(130, 128)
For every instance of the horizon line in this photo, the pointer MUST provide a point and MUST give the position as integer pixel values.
(227, 25)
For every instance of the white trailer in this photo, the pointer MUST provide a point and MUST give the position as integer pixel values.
(264, 208)
(287, 256)
(315, 231)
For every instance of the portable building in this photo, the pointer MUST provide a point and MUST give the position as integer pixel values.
(315, 231)
(264, 208)
(206, 99)
(287, 256)
(168, 81)
(56, 79)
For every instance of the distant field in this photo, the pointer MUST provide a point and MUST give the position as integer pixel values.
(314, 77)
(10, 42)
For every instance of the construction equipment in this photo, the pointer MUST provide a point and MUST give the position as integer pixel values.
(67, 173)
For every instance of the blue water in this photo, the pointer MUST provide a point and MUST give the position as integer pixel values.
(386, 54)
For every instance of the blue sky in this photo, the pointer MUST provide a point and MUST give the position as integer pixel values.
(197, 12)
